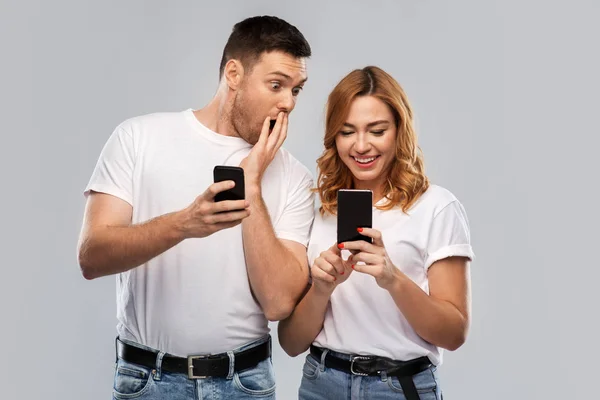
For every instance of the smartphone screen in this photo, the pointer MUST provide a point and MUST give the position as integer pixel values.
(355, 210)
(228, 173)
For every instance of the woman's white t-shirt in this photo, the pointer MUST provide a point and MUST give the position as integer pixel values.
(361, 317)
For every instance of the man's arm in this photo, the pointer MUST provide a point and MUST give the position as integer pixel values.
(110, 244)
(277, 269)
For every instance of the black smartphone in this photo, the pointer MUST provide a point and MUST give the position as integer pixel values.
(228, 173)
(354, 210)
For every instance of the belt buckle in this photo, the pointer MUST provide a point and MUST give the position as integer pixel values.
(190, 361)
(354, 358)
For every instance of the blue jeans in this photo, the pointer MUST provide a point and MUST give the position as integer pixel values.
(134, 381)
(321, 383)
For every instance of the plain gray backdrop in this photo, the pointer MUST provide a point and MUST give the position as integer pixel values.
(506, 97)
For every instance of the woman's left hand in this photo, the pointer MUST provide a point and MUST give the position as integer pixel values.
(377, 262)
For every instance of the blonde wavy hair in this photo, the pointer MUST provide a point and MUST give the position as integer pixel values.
(406, 179)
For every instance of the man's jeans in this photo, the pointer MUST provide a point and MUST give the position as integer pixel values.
(134, 381)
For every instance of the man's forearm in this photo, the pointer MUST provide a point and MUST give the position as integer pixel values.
(276, 276)
(110, 250)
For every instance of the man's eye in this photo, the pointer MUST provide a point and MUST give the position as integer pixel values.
(275, 85)
(296, 91)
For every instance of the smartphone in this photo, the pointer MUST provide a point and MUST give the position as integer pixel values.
(354, 210)
(228, 173)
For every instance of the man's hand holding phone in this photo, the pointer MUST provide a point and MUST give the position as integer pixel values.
(206, 216)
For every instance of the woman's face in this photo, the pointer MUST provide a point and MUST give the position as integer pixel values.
(367, 141)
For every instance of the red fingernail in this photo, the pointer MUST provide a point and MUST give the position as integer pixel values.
(342, 273)
(359, 229)
(334, 278)
(341, 246)
(353, 267)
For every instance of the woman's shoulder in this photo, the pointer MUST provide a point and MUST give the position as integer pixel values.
(434, 199)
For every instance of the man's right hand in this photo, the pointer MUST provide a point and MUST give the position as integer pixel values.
(205, 216)
(329, 270)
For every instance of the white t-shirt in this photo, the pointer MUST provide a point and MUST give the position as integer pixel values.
(194, 298)
(361, 317)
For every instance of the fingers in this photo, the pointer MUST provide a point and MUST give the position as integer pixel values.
(372, 233)
(278, 134)
(373, 270)
(335, 260)
(362, 246)
(335, 249)
(230, 205)
(318, 273)
(264, 133)
(367, 258)
(283, 132)
(325, 266)
(218, 187)
(232, 216)
(226, 225)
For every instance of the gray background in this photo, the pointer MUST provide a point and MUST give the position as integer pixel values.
(506, 96)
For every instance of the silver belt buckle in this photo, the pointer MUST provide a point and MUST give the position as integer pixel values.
(354, 358)
(190, 360)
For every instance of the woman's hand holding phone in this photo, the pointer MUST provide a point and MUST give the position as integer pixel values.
(330, 270)
(376, 261)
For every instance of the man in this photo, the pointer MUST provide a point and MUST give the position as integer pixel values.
(198, 280)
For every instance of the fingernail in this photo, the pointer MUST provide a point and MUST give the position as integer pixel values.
(342, 273)
(359, 229)
(341, 246)
(334, 278)
(353, 267)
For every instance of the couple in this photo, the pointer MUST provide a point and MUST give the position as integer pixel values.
(198, 280)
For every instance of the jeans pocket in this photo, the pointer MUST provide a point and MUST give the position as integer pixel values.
(310, 370)
(258, 381)
(131, 380)
(424, 381)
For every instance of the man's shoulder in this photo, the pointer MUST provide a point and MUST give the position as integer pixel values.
(293, 165)
(147, 121)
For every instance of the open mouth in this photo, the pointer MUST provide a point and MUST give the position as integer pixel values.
(272, 125)
(365, 162)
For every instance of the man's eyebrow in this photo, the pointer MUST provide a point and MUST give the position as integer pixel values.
(286, 76)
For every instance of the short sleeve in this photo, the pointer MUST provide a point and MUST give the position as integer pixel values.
(113, 173)
(449, 235)
(298, 215)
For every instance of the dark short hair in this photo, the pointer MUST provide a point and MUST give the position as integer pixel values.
(254, 36)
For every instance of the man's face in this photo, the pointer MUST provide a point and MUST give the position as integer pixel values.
(272, 86)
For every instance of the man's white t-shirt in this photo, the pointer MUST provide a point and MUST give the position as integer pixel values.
(362, 318)
(195, 298)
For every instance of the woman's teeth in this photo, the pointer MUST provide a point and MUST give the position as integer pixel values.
(364, 160)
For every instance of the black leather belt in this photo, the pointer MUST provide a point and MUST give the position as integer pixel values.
(198, 366)
(373, 366)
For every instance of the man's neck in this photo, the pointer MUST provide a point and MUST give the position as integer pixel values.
(216, 116)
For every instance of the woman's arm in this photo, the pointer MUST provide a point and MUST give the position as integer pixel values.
(300, 329)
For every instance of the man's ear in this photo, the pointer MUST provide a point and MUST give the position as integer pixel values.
(233, 74)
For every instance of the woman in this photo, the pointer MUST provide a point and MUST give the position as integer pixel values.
(377, 316)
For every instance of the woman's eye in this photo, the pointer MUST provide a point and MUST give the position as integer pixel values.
(378, 132)
(346, 133)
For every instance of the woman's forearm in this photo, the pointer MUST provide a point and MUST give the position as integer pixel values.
(299, 330)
